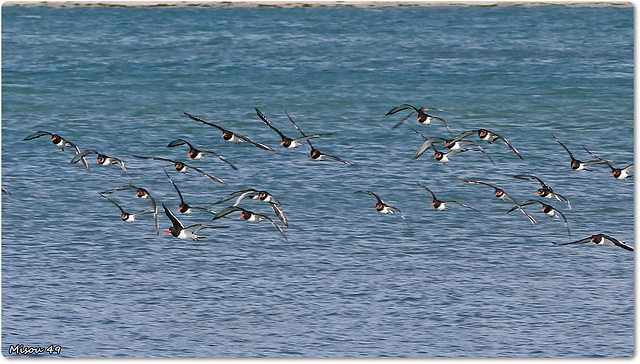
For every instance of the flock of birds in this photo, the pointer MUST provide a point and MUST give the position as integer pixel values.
(449, 148)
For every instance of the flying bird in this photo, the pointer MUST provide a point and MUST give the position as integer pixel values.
(423, 117)
(250, 216)
(544, 190)
(317, 155)
(489, 137)
(444, 157)
(198, 154)
(600, 239)
(230, 136)
(184, 208)
(617, 173)
(286, 141)
(576, 164)
(382, 207)
(61, 143)
(442, 205)
(127, 217)
(501, 194)
(547, 209)
(185, 233)
(183, 168)
(140, 193)
(101, 159)
(263, 196)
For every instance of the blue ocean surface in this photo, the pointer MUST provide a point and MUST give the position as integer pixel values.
(348, 281)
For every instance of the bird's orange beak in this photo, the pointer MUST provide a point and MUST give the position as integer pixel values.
(537, 192)
(593, 238)
(433, 203)
(167, 232)
(241, 216)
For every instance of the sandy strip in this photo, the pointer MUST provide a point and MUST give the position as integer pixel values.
(310, 3)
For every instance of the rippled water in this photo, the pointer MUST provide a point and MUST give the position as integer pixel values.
(348, 282)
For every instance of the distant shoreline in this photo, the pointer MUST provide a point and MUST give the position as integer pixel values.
(312, 4)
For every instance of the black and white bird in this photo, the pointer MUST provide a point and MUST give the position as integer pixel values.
(489, 137)
(423, 117)
(382, 207)
(317, 155)
(499, 193)
(600, 239)
(61, 143)
(184, 208)
(127, 217)
(250, 216)
(442, 205)
(140, 193)
(263, 196)
(230, 136)
(101, 159)
(286, 141)
(547, 209)
(617, 173)
(443, 157)
(545, 190)
(577, 164)
(183, 168)
(185, 233)
(198, 154)
(451, 144)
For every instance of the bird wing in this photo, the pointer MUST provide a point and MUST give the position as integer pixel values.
(234, 194)
(339, 159)
(242, 196)
(156, 159)
(295, 125)
(125, 187)
(193, 117)
(464, 134)
(525, 203)
(174, 220)
(212, 212)
(427, 188)
(400, 108)
(174, 185)
(478, 183)
(280, 229)
(226, 211)
(279, 214)
(177, 142)
(37, 134)
(197, 227)
(565, 148)
(530, 176)
(581, 241)
(77, 150)
(461, 204)
(508, 144)
(403, 120)
(566, 223)
(142, 212)
(428, 143)
(155, 212)
(266, 121)
(378, 199)
(617, 242)
(259, 145)
(561, 198)
(76, 158)
(208, 175)
(113, 202)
